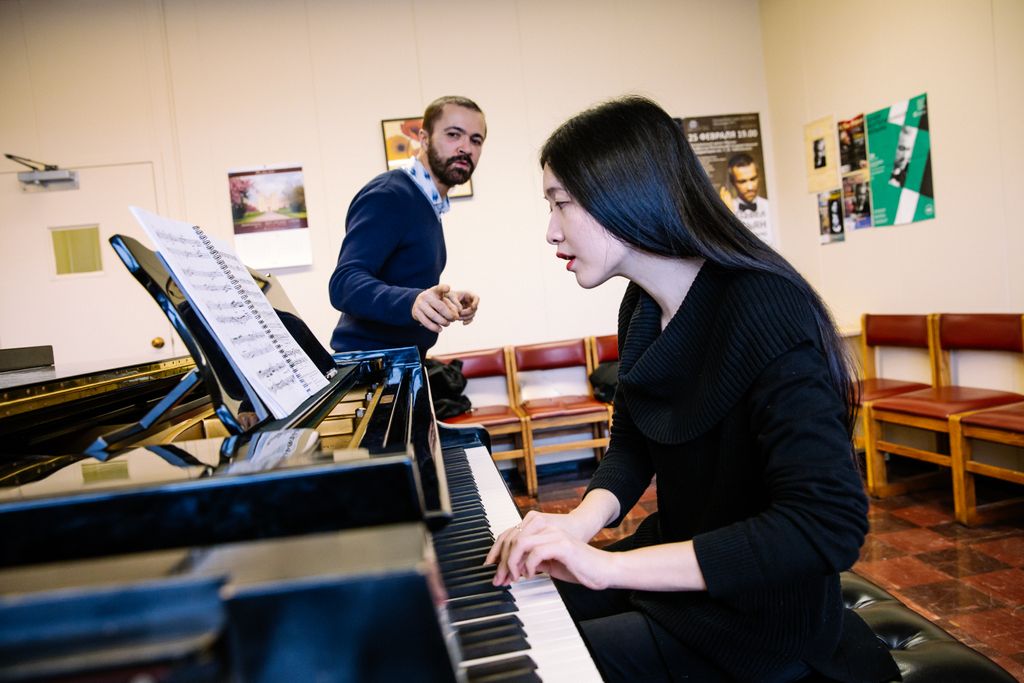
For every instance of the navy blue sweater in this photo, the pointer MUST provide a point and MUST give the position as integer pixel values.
(393, 250)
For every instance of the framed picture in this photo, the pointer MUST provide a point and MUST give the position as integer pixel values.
(402, 143)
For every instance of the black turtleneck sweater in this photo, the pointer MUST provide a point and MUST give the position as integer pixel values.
(731, 408)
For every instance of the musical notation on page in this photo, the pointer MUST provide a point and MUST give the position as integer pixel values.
(222, 291)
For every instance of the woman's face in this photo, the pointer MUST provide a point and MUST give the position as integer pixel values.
(592, 253)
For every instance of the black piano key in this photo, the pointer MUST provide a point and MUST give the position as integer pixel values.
(520, 669)
(484, 609)
(467, 519)
(488, 604)
(471, 629)
(469, 573)
(456, 563)
(479, 541)
(468, 507)
(459, 590)
(461, 554)
(497, 636)
(498, 646)
(463, 532)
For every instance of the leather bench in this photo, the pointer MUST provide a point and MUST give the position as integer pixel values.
(923, 651)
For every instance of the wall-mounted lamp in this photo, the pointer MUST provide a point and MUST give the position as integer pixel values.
(44, 177)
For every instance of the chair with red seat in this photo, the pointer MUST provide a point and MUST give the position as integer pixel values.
(1003, 425)
(879, 333)
(502, 422)
(560, 414)
(931, 409)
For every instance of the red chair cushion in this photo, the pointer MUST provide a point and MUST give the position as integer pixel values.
(485, 415)
(941, 402)
(563, 405)
(874, 389)
(1009, 418)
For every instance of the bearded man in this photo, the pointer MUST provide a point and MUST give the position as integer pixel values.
(387, 281)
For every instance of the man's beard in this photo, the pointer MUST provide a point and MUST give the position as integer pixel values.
(445, 170)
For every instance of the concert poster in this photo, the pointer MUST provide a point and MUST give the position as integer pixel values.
(830, 215)
(853, 148)
(268, 211)
(856, 200)
(729, 147)
(900, 162)
(820, 154)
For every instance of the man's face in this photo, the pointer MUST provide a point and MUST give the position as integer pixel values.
(904, 146)
(746, 181)
(454, 146)
(860, 192)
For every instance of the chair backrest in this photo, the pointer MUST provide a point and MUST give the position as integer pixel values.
(605, 348)
(483, 364)
(552, 355)
(571, 353)
(888, 330)
(974, 332)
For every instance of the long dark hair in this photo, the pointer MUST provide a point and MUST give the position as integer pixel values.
(629, 166)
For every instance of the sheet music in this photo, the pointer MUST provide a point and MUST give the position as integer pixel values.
(220, 288)
(269, 449)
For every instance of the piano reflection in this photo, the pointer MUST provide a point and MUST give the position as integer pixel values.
(151, 530)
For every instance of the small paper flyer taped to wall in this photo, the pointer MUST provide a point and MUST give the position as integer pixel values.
(830, 216)
(268, 212)
(853, 147)
(729, 148)
(900, 160)
(821, 154)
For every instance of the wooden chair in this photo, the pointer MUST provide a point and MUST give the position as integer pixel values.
(560, 415)
(504, 423)
(1004, 425)
(604, 349)
(879, 332)
(931, 409)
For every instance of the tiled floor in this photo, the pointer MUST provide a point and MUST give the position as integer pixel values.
(969, 581)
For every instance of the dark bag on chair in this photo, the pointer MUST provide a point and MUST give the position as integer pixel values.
(604, 379)
(446, 386)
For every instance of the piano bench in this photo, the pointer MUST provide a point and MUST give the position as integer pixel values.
(923, 651)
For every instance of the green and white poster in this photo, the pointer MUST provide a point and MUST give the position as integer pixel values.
(899, 149)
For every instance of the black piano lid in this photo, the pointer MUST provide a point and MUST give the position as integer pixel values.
(316, 607)
(192, 493)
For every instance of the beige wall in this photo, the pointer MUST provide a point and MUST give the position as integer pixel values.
(197, 87)
(843, 58)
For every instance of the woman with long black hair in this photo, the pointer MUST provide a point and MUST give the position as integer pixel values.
(734, 393)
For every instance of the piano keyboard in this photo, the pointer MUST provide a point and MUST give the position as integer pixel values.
(523, 633)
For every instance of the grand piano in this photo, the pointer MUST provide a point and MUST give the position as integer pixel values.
(156, 527)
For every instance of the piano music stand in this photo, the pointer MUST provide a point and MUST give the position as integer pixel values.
(230, 394)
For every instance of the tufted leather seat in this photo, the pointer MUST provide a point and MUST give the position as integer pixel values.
(923, 651)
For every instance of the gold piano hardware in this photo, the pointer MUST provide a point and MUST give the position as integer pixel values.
(33, 397)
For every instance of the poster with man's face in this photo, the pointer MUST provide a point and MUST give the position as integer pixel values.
(900, 162)
(820, 154)
(729, 148)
